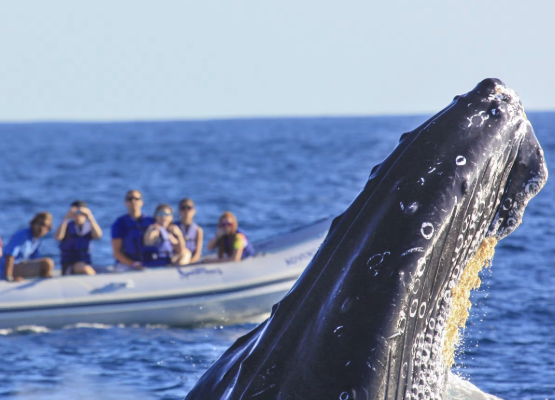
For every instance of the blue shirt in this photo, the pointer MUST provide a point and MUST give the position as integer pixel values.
(22, 246)
(131, 231)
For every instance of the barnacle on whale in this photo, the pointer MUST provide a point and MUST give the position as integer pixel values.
(461, 304)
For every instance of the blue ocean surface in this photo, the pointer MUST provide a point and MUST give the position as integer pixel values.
(275, 175)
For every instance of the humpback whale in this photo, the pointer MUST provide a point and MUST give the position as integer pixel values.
(377, 312)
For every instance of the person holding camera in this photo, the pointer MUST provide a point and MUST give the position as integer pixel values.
(75, 234)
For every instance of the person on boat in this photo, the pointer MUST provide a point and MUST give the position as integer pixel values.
(231, 242)
(75, 233)
(22, 258)
(192, 233)
(164, 242)
(127, 234)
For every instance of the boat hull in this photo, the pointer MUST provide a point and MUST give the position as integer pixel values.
(186, 311)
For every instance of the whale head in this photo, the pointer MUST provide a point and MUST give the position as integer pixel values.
(377, 312)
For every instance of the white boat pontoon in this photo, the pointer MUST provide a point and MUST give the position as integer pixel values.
(195, 295)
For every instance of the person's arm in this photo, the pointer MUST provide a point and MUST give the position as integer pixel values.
(238, 247)
(179, 240)
(212, 243)
(118, 254)
(151, 236)
(174, 237)
(235, 256)
(96, 232)
(11, 251)
(8, 268)
(179, 248)
(200, 237)
(60, 232)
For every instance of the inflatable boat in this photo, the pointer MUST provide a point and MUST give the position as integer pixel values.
(193, 295)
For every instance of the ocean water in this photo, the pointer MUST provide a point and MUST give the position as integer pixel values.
(276, 175)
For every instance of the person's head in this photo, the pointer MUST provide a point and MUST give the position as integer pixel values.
(78, 217)
(187, 210)
(41, 224)
(134, 202)
(163, 215)
(228, 223)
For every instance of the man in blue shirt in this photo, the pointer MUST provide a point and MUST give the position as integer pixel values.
(127, 234)
(22, 257)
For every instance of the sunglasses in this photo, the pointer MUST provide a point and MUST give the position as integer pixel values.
(185, 208)
(163, 214)
(226, 224)
(132, 198)
(78, 212)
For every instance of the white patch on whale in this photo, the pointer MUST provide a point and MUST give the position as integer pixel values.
(377, 259)
(483, 117)
(425, 229)
(421, 266)
(413, 250)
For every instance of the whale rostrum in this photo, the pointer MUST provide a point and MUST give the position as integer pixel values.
(377, 312)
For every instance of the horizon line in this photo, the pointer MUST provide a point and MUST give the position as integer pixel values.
(225, 118)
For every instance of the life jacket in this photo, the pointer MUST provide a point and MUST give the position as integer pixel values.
(228, 246)
(190, 235)
(161, 253)
(76, 244)
(132, 242)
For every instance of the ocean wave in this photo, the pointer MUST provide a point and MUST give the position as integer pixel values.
(83, 325)
(24, 329)
(460, 389)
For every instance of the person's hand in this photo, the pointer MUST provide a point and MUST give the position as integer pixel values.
(86, 212)
(71, 212)
(15, 279)
(137, 265)
(173, 228)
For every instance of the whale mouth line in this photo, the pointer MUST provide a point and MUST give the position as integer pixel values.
(461, 304)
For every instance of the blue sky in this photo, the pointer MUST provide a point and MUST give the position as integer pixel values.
(142, 60)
